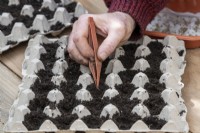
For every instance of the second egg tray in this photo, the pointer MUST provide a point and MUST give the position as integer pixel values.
(140, 89)
(23, 19)
(184, 25)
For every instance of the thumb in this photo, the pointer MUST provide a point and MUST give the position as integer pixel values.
(109, 45)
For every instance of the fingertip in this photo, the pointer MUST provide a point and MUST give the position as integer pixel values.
(102, 56)
(105, 50)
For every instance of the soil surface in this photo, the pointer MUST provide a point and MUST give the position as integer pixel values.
(32, 32)
(124, 119)
(11, 43)
(57, 26)
(15, 11)
(73, 19)
(71, 7)
(181, 53)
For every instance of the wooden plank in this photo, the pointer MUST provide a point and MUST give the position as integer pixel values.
(191, 91)
(8, 92)
(94, 6)
(13, 58)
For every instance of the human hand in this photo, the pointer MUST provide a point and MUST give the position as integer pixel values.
(116, 27)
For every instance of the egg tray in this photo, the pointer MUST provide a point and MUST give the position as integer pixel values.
(185, 26)
(140, 89)
(23, 19)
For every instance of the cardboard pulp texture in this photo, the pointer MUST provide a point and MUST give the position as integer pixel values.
(40, 24)
(172, 68)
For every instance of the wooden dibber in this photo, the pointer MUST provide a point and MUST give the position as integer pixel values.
(95, 66)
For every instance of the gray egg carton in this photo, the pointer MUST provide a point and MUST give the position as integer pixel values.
(172, 68)
(186, 23)
(40, 23)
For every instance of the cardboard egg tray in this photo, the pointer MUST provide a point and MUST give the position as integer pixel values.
(140, 89)
(42, 17)
(184, 25)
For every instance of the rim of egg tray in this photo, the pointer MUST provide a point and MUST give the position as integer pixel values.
(40, 24)
(172, 67)
(190, 41)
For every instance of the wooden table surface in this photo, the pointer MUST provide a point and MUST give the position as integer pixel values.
(10, 76)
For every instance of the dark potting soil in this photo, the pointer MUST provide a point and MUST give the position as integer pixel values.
(27, 21)
(68, 89)
(11, 43)
(154, 122)
(32, 32)
(124, 105)
(6, 29)
(79, 132)
(155, 47)
(182, 112)
(49, 59)
(124, 119)
(57, 1)
(181, 53)
(72, 74)
(3, 3)
(154, 86)
(127, 76)
(155, 103)
(34, 120)
(154, 60)
(15, 11)
(129, 59)
(47, 13)
(121, 101)
(177, 94)
(153, 73)
(103, 69)
(35, 3)
(57, 26)
(73, 71)
(125, 90)
(71, 7)
(41, 88)
(93, 121)
(74, 19)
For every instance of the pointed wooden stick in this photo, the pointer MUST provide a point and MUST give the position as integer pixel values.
(95, 66)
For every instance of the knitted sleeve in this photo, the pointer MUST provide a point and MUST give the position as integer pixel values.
(142, 11)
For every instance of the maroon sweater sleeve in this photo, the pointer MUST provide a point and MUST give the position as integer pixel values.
(142, 11)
